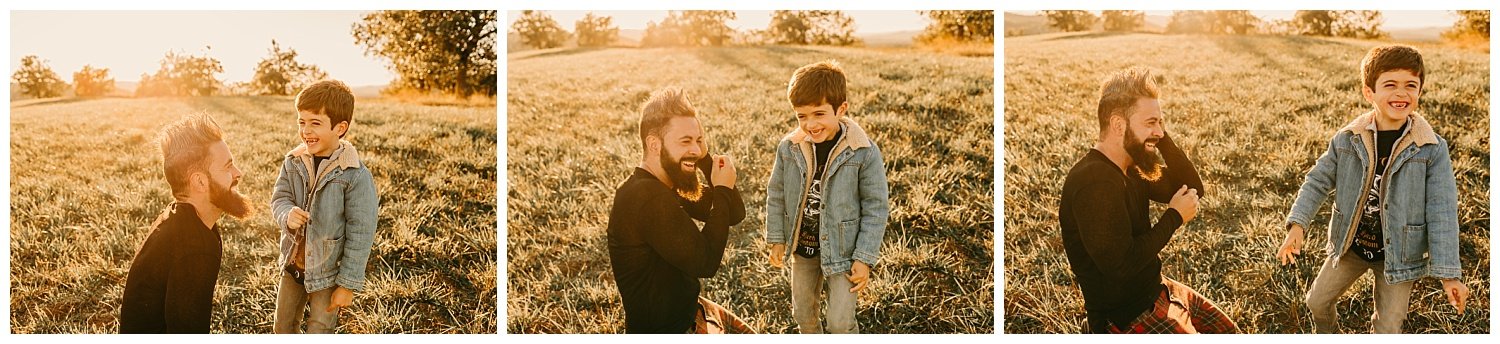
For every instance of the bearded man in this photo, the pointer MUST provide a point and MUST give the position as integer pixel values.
(1111, 243)
(656, 250)
(170, 287)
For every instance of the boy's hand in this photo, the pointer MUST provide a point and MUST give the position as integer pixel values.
(778, 252)
(1186, 203)
(1292, 246)
(1458, 293)
(341, 298)
(296, 218)
(723, 171)
(859, 274)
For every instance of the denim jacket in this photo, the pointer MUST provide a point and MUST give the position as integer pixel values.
(342, 207)
(856, 199)
(1419, 213)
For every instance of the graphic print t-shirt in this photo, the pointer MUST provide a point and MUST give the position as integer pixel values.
(807, 240)
(1368, 238)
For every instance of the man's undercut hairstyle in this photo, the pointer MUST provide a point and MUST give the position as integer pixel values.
(816, 84)
(1387, 58)
(660, 109)
(1121, 91)
(184, 149)
(331, 98)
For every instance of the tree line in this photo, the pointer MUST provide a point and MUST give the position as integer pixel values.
(1354, 24)
(451, 52)
(539, 30)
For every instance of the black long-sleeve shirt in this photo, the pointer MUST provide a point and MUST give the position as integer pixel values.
(170, 287)
(1112, 245)
(658, 253)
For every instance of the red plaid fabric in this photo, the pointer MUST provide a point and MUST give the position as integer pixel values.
(715, 319)
(1180, 309)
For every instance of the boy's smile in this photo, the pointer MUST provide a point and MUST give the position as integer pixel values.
(820, 122)
(320, 136)
(1395, 96)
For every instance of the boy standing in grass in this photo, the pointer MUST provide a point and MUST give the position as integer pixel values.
(827, 199)
(1395, 207)
(325, 204)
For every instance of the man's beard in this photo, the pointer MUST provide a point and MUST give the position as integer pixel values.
(1147, 164)
(685, 183)
(229, 200)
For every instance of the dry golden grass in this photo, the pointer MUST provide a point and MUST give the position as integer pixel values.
(1253, 113)
(572, 141)
(86, 183)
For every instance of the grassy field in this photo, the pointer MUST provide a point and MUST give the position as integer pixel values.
(572, 140)
(1254, 113)
(86, 184)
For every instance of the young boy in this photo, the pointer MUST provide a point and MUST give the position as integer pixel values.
(1395, 203)
(325, 205)
(827, 200)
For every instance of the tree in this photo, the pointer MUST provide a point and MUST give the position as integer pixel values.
(538, 30)
(1191, 22)
(280, 74)
(708, 27)
(811, 27)
(1470, 23)
(1237, 22)
(36, 79)
(1356, 24)
(92, 82)
(690, 28)
(181, 74)
(445, 51)
(596, 31)
(967, 26)
(1123, 20)
(1071, 20)
(1315, 23)
(1359, 24)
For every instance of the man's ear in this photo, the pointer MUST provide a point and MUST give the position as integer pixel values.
(198, 181)
(843, 108)
(1368, 93)
(1118, 125)
(341, 128)
(653, 144)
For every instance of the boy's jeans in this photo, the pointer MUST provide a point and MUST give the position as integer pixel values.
(292, 298)
(807, 284)
(1391, 300)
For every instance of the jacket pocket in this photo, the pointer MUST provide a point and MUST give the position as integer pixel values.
(1414, 243)
(324, 254)
(846, 232)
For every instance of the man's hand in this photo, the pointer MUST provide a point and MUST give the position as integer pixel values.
(1291, 247)
(859, 274)
(778, 253)
(296, 218)
(341, 298)
(723, 171)
(1186, 203)
(1458, 293)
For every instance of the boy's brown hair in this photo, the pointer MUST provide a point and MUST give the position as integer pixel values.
(817, 83)
(1387, 58)
(1120, 92)
(184, 149)
(331, 98)
(663, 105)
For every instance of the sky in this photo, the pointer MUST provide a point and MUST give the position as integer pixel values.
(1393, 19)
(866, 22)
(131, 43)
